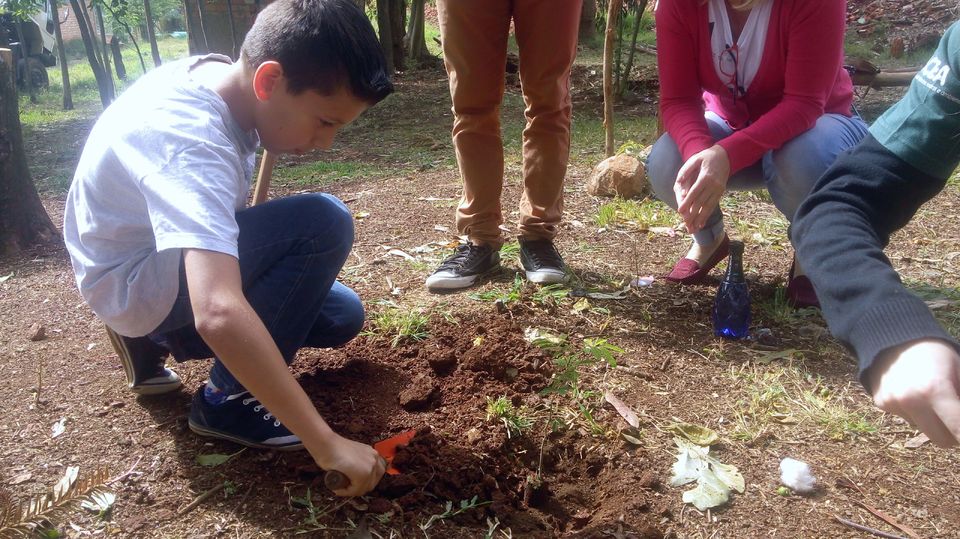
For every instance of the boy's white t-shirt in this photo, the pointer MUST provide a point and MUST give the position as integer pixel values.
(166, 167)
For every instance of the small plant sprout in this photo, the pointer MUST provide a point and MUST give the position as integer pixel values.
(450, 512)
(550, 294)
(515, 420)
(491, 533)
(602, 350)
(311, 523)
(501, 296)
(510, 251)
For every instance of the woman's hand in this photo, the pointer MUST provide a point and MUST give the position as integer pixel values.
(701, 182)
(920, 382)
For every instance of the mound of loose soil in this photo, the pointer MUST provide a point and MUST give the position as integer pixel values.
(532, 483)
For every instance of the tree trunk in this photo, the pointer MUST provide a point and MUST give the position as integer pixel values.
(416, 41)
(92, 26)
(62, 57)
(25, 58)
(588, 21)
(384, 27)
(118, 58)
(151, 34)
(233, 32)
(612, 14)
(103, 85)
(106, 51)
(398, 28)
(23, 220)
(625, 79)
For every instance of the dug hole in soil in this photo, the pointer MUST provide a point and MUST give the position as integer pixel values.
(535, 483)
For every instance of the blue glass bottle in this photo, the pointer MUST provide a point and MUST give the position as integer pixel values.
(731, 308)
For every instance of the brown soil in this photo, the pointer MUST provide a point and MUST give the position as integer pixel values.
(566, 476)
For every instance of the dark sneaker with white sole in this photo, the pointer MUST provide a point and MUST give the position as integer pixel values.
(241, 419)
(144, 364)
(464, 268)
(541, 261)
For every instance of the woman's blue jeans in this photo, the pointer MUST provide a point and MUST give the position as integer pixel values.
(291, 251)
(788, 173)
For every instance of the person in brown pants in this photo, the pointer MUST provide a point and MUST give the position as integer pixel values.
(474, 35)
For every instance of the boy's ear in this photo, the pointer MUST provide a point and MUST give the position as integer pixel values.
(266, 78)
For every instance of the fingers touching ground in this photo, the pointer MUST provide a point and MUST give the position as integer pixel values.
(920, 382)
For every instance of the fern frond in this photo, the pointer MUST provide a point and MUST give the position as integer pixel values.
(46, 510)
(9, 510)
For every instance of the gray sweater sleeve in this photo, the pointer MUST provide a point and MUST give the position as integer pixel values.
(839, 234)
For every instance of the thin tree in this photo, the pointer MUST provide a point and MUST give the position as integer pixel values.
(233, 31)
(588, 21)
(151, 33)
(623, 76)
(62, 57)
(120, 15)
(416, 41)
(104, 85)
(398, 29)
(613, 13)
(386, 34)
(106, 48)
(23, 220)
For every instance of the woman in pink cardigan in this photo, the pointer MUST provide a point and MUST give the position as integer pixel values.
(753, 94)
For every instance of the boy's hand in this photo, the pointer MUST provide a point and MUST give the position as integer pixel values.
(920, 381)
(700, 184)
(359, 462)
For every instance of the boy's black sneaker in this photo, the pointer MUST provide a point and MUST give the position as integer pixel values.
(241, 419)
(464, 267)
(542, 262)
(144, 364)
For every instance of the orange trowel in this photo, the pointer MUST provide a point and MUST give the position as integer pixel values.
(387, 449)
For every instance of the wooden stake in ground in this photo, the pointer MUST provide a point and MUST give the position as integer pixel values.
(613, 14)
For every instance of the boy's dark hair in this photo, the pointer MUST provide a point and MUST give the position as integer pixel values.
(322, 45)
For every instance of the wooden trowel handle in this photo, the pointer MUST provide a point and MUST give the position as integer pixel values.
(335, 480)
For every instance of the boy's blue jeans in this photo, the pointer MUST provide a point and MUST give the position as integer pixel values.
(788, 173)
(291, 250)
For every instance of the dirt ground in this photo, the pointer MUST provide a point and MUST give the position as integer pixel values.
(572, 472)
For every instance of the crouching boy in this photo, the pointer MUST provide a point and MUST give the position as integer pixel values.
(166, 255)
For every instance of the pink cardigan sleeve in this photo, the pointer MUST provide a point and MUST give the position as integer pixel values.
(813, 59)
(681, 92)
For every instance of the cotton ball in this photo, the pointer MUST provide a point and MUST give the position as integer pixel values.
(797, 475)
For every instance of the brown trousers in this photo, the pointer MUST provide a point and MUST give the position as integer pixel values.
(474, 35)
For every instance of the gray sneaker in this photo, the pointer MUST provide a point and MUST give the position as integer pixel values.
(541, 261)
(464, 267)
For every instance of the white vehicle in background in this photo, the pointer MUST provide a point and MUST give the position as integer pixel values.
(35, 54)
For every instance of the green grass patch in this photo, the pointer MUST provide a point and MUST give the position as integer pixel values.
(634, 214)
(775, 310)
(587, 135)
(319, 173)
(775, 397)
(83, 84)
(399, 325)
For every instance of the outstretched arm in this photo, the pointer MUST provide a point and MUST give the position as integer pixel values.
(907, 360)
(232, 329)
